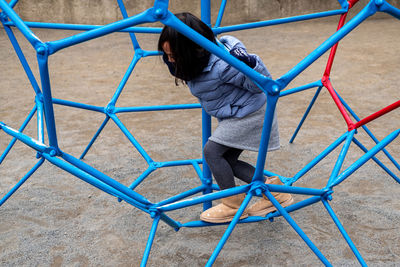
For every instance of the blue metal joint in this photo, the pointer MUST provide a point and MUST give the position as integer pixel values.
(286, 181)
(42, 49)
(258, 188)
(378, 2)
(272, 87)
(258, 192)
(53, 152)
(109, 109)
(139, 52)
(344, 4)
(154, 213)
(3, 17)
(275, 89)
(159, 13)
(327, 195)
(155, 165)
(39, 97)
(160, 9)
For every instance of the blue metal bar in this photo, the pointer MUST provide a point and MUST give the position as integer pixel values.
(146, 16)
(265, 135)
(154, 165)
(344, 4)
(21, 129)
(40, 119)
(384, 6)
(132, 139)
(378, 147)
(84, 27)
(220, 13)
(150, 53)
(208, 182)
(157, 108)
(269, 216)
(42, 57)
(368, 132)
(178, 162)
(198, 170)
(317, 159)
(344, 233)
(196, 224)
(269, 174)
(125, 15)
(181, 196)
(297, 228)
(21, 182)
(341, 157)
(363, 148)
(95, 137)
(150, 241)
(294, 190)
(174, 224)
(13, 3)
(300, 88)
(305, 114)
(388, 155)
(19, 23)
(105, 179)
(138, 180)
(207, 176)
(22, 59)
(127, 74)
(27, 140)
(128, 196)
(78, 105)
(203, 198)
(259, 24)
(143, 176)
(206, 11)
(229, 230)
(296, 206)
(366, 12)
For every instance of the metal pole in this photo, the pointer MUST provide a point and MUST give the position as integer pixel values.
(206, 119)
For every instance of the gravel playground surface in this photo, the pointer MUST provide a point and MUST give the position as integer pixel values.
(55, 219)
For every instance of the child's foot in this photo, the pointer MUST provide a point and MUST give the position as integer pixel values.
(264, 206)
(225, 211)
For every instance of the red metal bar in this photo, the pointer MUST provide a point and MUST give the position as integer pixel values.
(325, 79)
(377, 114)
(327, 83)
(352, 3)
(334, 48)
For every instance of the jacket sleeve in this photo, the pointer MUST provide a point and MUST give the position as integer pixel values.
(229, 74)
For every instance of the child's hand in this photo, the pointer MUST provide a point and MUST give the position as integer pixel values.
(242, 55)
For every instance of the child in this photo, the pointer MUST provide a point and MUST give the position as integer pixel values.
(237, 103)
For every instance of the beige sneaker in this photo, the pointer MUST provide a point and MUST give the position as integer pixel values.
(225, 211)
(264, 206)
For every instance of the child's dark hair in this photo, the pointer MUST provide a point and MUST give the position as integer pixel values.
(190, 58)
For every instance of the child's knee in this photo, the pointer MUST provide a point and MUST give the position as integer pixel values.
(213, 150)
(208, 151)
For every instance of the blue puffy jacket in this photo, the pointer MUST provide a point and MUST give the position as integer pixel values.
(225, 92)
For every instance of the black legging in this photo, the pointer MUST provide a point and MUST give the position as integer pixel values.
(224, 164)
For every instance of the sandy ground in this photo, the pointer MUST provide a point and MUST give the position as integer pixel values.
(55, 219)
